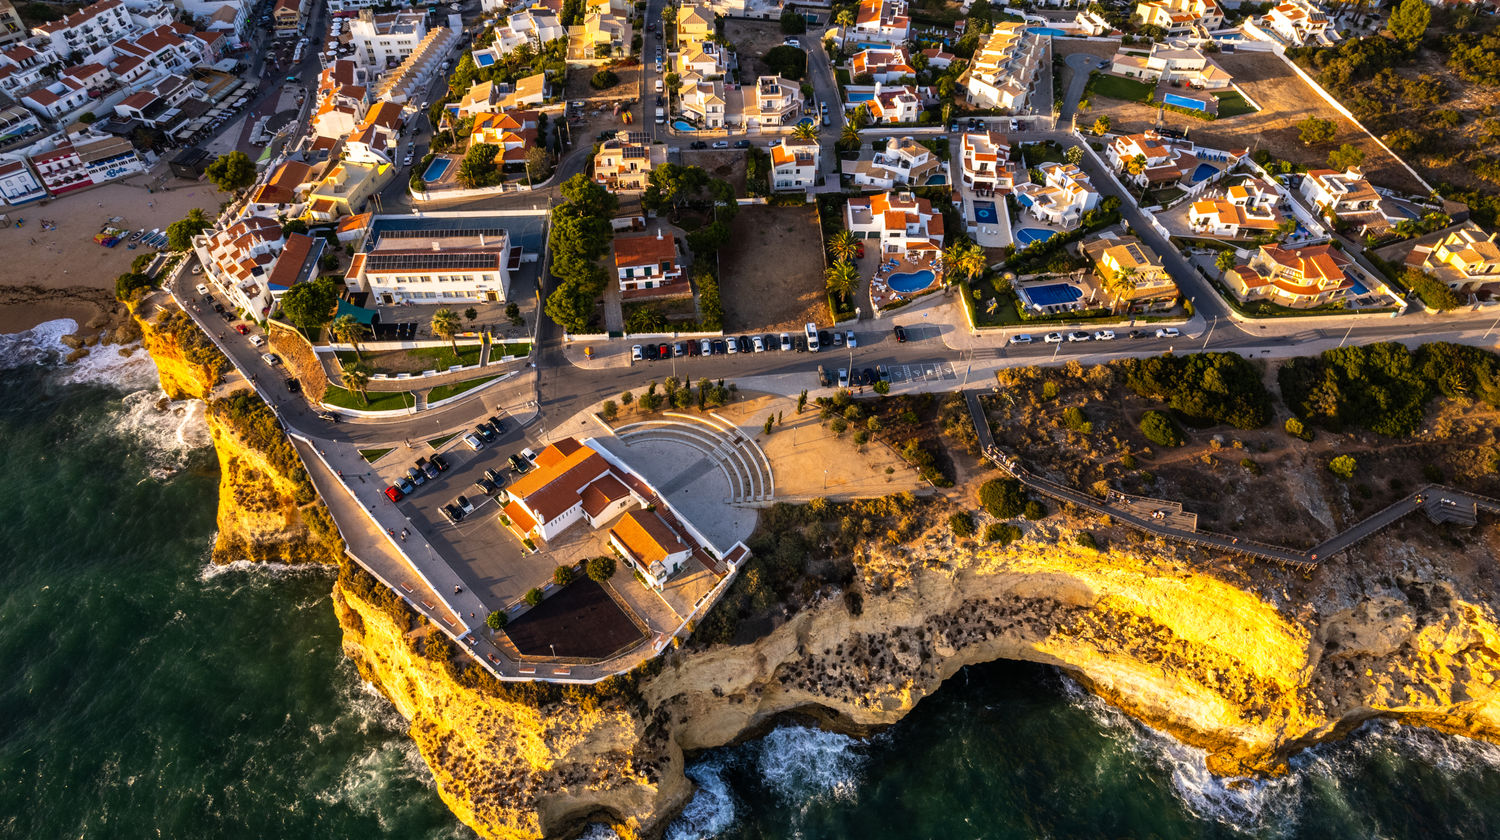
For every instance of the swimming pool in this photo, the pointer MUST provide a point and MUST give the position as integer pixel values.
(911, 282)
(936, 180)
(683, 125)
(1358, 289)
(1407, 212)
(1204, 172)
(436, 169)
(1184, 101)
(805, 121)
(1054, 295)
(484, 59)
(1026, 236)
(984, 212)
(861, 97)
(872, 45)
(1045, 30)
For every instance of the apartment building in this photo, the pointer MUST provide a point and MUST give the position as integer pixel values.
(12, 30)
(238, 261)
(794, 164)
(384, 40)
(443, 265)
(625, 161)
(1003, 69)
(984, 160)
(408, 83)
(88, 31)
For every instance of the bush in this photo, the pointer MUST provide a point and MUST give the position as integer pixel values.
(533, 596)
(1035, 510)
(604, 79)
(563, 575)
(1250, 465)
(497, 620)
(1343, 466)
(1377, 386)
(609, 410)
(601, 568)
(1204, 388)
(1003, 498)
(1087, 540)
(1297, 429)
(787, 61)
(961, 524)
(1160, 429)
(792, 21)
(1434, 293)
(1002, 532)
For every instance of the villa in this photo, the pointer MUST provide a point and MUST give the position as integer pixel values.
(905, 162)
(695, 22)
(479, 99)
(1062, 199)
(1092, 24)
(1181, 18)
(1344, 194)
(908, 228)
(1466, 260)
(985, 155)
(895, 105)
(1301, 23)
(882, 20)
(649, 267)
(772, 100)
(1248, 208)
(457, 264)
(704, 58)
(882, 64)
(513, 131)
(703, 101)
(534, 26)
(1132, 273)
(625, 161)
(1003, 69)
(1159, 161)
(252, 264)
(602, 30)
(1296, 277)
(1171, 64)
(794, 164)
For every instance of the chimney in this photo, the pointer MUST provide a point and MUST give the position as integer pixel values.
(658, 234)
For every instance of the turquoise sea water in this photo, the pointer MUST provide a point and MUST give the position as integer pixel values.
(149, 694)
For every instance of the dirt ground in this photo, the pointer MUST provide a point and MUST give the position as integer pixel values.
(597, 114)
(728, 164)
(752, 39)
(1285, 100)
(67, 258)
(781, 292)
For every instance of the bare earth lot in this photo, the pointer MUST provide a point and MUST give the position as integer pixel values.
(1285, 100)
(772, 270)
(752, 39)
(728, 164)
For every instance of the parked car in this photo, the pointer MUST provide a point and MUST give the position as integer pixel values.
(742, 144)
(760, 344)
(1023, 338)
(800, 343)
(843, 377)
(850, 340)
(241, 329)
(698, 144)
(732, 346)
(706, 347)
(406, 161)
(326, 416)
(823, 379)
(271, 359)
(202, 290)
(394, 493)
(485, 432)
(680, 349)
(1053, 338)
(900, 333)
(519, 464)
(793, 42)
(429, 469)
(721, 144)
(292, 386)
(495, 477)
(867, 377)
(786, 342)
(437, 461)
(452, 514)
(257, 340)
(497, 424)
(825, 338)
(405, 485)
(745, 345)
(416, 476)
(1139, 334)
(485, 485)
(473, 442)
(720, 347)
(838, 339)
(1104, 335)
(636, 354)
(463, 504)
(1167, 332)
(1078, 335)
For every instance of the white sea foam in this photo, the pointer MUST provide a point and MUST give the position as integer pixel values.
(106, 366)
(599, 831)
(712, 808)
(166, 431)
(276, 571)
(41, 344)
(800, 763)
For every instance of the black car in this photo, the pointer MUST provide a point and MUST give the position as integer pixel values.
(293, 386)
(485, 432)
(742, 144)
(485, 485)
(900, 334)
(452, 513)
(495, 477)
(867, 376)
(441, 464)
(1139, 334)
(720, 347)
(698, 144)
(325, 416)
(650, 352)
(799, 343)
(498, 424)
(746, 345)
(825, 338)
(519, 464)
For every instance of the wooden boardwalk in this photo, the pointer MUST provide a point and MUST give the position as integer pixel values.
(1167, 519)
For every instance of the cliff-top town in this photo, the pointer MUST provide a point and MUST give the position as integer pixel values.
(565, 306)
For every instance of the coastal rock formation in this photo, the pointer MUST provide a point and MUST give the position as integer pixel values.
(188, 364)
(268, 510)
(1250, 664)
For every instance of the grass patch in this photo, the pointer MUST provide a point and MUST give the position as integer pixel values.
(414, 360)
(443, 392)
(378, 400)
(1231, 104)
(1036, 154)
(439, 441)
(373, 455)
(510, 348)
(1115, 87)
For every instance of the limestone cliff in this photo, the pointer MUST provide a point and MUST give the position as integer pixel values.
(268, 510)
(188, 364)
(1251, 664)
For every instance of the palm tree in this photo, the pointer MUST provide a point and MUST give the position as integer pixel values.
(346, 329)
(964, 259)
(1121, 283)
(445, 323)
(849, 138)
(843, 245)
(841, 277)
(1136, 165)
(844, 20)
(355, 378)
(805, 131)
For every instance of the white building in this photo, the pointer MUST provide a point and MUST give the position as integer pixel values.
(1247, 208)
(88, 31)
(456, 265)
(1181, 17)
(1004, 69)
(905, 225)
(882, 20)
(1062, 199)
(536, 26)
(19, 184)
(1301, 23)
(794, 164)
(238, 261)
(1171, 63)
(569, 483)
(903, 162)
(382, 41)
(883, 64)
(984, 157)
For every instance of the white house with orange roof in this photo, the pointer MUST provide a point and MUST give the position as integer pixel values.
(12, 28)
(903, 162)
(882, 20)
(894, 105)
(1248, 208)
(20, 68)
(88, 31)
(1296, 277)
(281, 194)
(1003, 69)
(882, 64)
(513, 131)
(906, 226)
(1301, 23)
(1062, 199)
(794, 164)
(570, 483)
(650, 545)
(1149, 158)
(984, 157)
(1344, 193)
(238, 260)
(1180, 17)
(1466, 260)
(649, 266)
(939, 59)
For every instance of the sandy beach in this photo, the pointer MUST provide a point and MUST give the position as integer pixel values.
(57, 273)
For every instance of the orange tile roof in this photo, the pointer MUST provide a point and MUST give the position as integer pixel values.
(550, 490)
(647, 537)
(555, 453)
(645, 250)
(519, 517)
(602, 493)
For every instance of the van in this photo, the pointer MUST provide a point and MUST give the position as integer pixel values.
(812, 336)
(658, 85)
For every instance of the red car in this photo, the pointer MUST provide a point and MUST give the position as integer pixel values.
(394, 493)
(859, 251)
(242, 329)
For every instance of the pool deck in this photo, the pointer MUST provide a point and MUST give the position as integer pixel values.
(882, 296)
(991, 235)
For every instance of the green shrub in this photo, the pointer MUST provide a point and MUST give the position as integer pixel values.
(601, 568)
(1204, 388)
(604, 79)
(1002, 532)
(497, 620)
(1297, 429)
(1003, 498)
(562, 575)
(1160, 429)
(1087, 540)
(1251, 465)
(1035, 510)
(961, 524)
(533, 596)
(1343, 466)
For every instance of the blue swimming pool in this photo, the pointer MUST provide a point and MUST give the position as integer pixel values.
(1358, 289)
(872, 45)
(911, 282)
(484, 59)
(1204, 171)
(985, 213)
(1026, 236)
(1184, 101)
(1407, 212)
(1045, 30)
(936, 180)
(1054, 295)
(436, 169)
(805, 121)
(861, 97)
(683, 125)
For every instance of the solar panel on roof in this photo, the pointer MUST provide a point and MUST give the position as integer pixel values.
(428, 261)
(441, 233)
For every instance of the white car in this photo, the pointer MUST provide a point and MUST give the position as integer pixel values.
(406, 161)
(202, 290)
(473, 442)
(270, 359)
(1078, 335)
(786, 342)
(198, 269)
(843, 377)
(1104, 335)
(734, 346)
(1167, 332)
(793, 42)
(1053, 338)
(850, 340)
(1023, 338)
(760, 344)
(636, 354)
(257, 341)
(706, 347)
(721, 144)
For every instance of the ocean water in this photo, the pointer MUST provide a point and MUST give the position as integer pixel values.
(148, 693)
